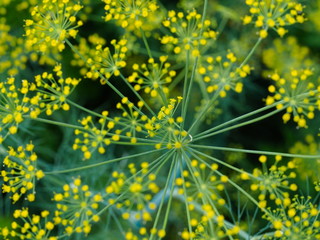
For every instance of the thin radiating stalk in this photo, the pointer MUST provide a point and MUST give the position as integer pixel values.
(168, 182)
(199, 182)
(185, 85)
(146, 43)
(188, 92)
(197, 121)
(103, 163)
(220, 162)
(251, 52)
(137, 94)
(236, 119)
(85, 109)
(185, 199)
(240, 124)
(55, 123)
(254, 151)
(240, 189)
(166, 217)
(203, 112)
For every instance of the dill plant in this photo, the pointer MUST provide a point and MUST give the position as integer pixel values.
(155, 161)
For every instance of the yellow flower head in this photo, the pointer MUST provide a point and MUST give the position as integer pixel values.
(133, 15)
(14, 103)
(105, 62)
(25, 225)
(51, 24)
(53, 91)
(278, 14)
(152, 77)
(139, 187)
(297, 93)
(77, 207)
(188, 32)
(222, 74)
(21, 172)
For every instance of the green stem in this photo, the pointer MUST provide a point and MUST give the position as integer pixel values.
(204, 12)
(177, 79)
(164, 159)
(185, 85)
(147, 143)
(185, 199)
(240, 124)
(237, 119)
(251, 53)
(188, 93)
(163, 96)
(166, 217)
(238, 188)
(156, 167)
(221, 162)
(163, 197)
(228, 149)
(103, 163)
(85, 109)
(55, 123)
(263, 236)
(146, 43)
(109, 205)
(118, 223)
(204, 111)
(137, 94)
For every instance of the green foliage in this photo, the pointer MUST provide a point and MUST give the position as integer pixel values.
(146, 120)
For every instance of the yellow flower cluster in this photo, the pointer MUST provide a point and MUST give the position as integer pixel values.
(132, 14)
(132, 120)
(13, 56)
(201, 182)
(203, 185)
(144, 234)
(103, 63)
(297, 220)
(163, 129)
(152, 77)
(276, 15)
(166, 129)
(31, 227)
(86, 47)
(298, 94)
(211, 230)
(188, 32)
(76, 207)
(136, 192)
(274, 181)
(20, 172)
(51, 24)
(286, 53)
(91, 138)
(52, 94)
(15, 105)
(222, 74)
(163, 154)
(125, 127)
